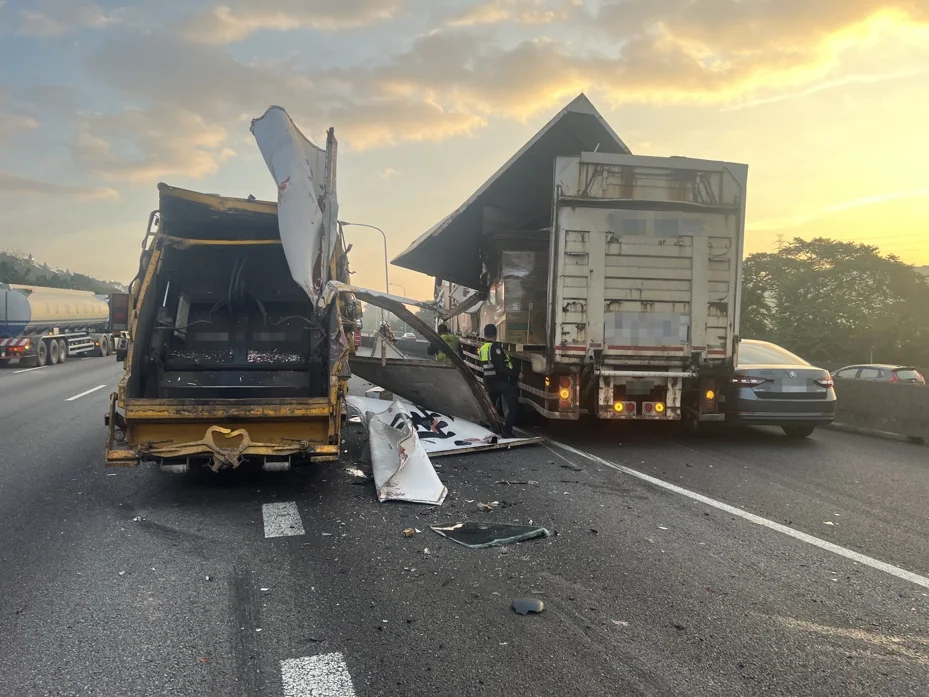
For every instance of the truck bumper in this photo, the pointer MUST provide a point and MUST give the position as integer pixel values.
(178, 435)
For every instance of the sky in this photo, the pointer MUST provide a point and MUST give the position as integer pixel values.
(825, 100)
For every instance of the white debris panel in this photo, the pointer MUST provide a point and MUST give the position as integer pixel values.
(439, 434)
(299, 169)
(402, 469)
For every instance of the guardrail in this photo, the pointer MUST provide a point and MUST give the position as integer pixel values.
(898, 408)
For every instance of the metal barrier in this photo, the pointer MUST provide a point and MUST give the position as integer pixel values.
(879, 406)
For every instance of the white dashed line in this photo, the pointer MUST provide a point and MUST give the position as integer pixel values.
(758, 520)
(29, 370)
(84, 394)
(317, 676)
(282, 519)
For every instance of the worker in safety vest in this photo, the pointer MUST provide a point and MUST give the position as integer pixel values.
(448, 338)
(501, 378)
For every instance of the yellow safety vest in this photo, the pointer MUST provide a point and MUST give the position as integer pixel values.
(453, 343)
(484, 355)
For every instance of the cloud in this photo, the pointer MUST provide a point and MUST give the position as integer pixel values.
(144, 145)
(52, 18)
(514, 11)
(223, 24)
(15, 185)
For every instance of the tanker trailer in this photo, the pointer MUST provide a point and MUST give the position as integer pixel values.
(44, 326)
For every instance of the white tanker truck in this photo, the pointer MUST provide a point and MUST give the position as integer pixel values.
(44, 326)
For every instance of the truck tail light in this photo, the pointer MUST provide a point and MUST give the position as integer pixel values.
(619, 407)
(659, 408)
(565, 389)
(709, 397)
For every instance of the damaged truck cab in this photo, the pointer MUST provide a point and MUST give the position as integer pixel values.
(228, 361)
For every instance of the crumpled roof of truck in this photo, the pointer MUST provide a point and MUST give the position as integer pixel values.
(450, 250)
(194, 215)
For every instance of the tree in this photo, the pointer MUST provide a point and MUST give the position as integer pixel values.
(837, 301)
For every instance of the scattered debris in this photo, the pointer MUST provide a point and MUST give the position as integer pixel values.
(354, 420)
(679, 627)
(828, 522)
(122, 573)
(327, 534)
(620, 623)
(409, 532)
(479, 535)
(203, 659)
(137, 519)
(662, 527)
(573, 468)
(265, 590)
(355, 472)
(524, 606)
(208, 578)
(487, 507)
(595, 531)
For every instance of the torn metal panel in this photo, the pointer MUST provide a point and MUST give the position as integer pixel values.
(436, 385)
(470, 396)
(401, 468)
(451, 249)
(307, 204)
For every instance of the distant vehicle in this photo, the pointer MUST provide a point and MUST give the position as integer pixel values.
(408, 335)
(773, 387)
(879, 372)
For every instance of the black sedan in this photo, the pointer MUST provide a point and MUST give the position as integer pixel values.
(773, 387)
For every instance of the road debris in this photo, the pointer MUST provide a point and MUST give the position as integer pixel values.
(524, 606)
(487, 507)
(573, 468)
(479, 535)
(409, 532)
(828, 522)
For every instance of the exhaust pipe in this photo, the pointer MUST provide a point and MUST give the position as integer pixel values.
(276, 465)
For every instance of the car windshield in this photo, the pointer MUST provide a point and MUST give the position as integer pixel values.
(766, 354)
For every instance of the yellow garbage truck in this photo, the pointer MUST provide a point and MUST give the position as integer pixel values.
(229, 361)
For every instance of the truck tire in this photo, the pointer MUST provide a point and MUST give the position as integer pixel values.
(62, 350)
(41, 354)
(109, 344)
(53, 352)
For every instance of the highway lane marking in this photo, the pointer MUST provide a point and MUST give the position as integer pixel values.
(758, 520)
(29, 370)
(325, 675)
(282, 519)
(84, 394)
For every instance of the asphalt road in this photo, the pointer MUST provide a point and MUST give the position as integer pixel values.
(134, 582)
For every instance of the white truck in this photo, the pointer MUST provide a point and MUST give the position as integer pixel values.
(627, 307)
(615, 279)
(44, 326)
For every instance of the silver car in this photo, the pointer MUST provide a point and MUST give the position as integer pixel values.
(773, 387)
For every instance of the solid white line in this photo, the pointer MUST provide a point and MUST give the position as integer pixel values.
(282, 519)
(84, 394)
(758, 520)
(317, 676)
(29, 370)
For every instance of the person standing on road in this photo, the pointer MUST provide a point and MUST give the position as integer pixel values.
(501, 378)
(449, 339)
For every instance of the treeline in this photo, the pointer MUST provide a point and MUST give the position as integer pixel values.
(837, 302)
(17, 268)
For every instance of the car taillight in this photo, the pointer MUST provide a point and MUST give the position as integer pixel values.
(825, 382)
(747, 381)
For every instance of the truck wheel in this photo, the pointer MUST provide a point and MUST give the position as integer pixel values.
(106, 345)
(52, 352)
(41, 354)
(62, 350)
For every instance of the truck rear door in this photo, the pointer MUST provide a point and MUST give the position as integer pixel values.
(646, 257)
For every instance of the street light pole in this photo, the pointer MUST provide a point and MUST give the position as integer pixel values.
(386, 262)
